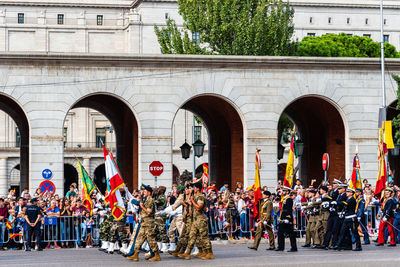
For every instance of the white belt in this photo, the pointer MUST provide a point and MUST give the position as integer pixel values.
(350, 216)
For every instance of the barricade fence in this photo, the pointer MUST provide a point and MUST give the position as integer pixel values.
(221, 223)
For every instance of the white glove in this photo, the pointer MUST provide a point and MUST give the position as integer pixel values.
(265, 223)
(359, 219)
(384, 219)
(286, 221)
(333, 203)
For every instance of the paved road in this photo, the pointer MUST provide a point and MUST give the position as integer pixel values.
(226, 255)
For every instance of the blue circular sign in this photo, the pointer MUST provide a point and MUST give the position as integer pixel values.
(47, 174)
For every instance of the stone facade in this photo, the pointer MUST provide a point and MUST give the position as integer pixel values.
(154, 88)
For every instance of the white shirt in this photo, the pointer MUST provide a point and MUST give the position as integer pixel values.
(241, 206)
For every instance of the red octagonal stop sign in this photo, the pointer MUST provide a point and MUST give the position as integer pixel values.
(156, 168)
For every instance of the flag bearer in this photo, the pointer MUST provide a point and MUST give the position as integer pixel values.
(285, 225)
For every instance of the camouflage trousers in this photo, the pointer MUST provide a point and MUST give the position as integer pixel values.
(147, 232)
(176, 224)
(118, 229)
(184, 237)
(161, 230)
(199, 234)
(105, 229)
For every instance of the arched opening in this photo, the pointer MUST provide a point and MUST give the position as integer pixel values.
(15, 179)
(123, 133)
(15, 137)
(320, 127)
(175, 174)
(394, 160)
(100, 178)
(70, 176)
(225, 138)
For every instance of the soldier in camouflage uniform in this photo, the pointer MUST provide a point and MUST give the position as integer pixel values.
(118, 229)
(187, 215)
(311, 218)
(147, 228)
(105, 230)
(199, 229)
(160, 202)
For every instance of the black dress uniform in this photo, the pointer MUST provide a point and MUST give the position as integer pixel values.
(350, 223)
(32, 212)
(285, 225)
(339, 220)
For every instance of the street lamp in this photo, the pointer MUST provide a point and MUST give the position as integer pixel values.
(198, 148)
(185, 150)
(299, 148)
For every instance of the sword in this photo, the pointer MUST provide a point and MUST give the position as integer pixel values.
(395, 228)
(365, 228)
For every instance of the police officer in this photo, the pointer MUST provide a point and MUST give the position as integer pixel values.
(32, 216)
(285, 225)
(350, 223)
(361, 217)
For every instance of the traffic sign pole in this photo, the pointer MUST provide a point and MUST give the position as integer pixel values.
(155, 181)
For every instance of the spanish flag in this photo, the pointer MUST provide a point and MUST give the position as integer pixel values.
(8, 224)
(257, 185)
(12, 236)
(87, 188)
(288, 180)
(205, 178)
(382, 173)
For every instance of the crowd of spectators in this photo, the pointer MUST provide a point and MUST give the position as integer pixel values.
(230, 213)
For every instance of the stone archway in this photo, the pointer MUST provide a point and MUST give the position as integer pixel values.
(14, 110)
(320, 126)
(225, 137)
(126, 131)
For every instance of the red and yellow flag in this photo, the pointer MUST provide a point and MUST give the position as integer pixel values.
(288, 180)
(205, 177)
(382, 173)
(355, 182)
(12, 236)
(8, 225)
(257, 185)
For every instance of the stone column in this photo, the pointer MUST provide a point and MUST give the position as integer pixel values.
(134, 34)
(3, 177)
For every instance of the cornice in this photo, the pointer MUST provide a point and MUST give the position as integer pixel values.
(75, 3)
(78, 60)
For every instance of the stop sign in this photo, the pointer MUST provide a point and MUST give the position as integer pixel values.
(325, 161)
(156, 168)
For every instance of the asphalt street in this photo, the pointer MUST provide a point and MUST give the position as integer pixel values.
(226, 255)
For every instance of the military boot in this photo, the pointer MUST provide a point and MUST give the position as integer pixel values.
(181, 251)
(156, 257)
(176, 251)
(186, 255)
(209, 255)
(200, 254)
(134, 257)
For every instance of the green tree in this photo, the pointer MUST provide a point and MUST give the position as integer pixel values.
(396, 120)
(342, 45)
(230, 27)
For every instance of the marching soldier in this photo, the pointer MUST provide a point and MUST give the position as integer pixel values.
(388, 207)
(146, 231)
(333, 219)
(285, 225)
(311, 219)
(340, 211)
(265, 223)
(105, 229)
(320, 227)
(199, 229)
(160, 219)
(316, 205)
(361, 217)
(350, 223)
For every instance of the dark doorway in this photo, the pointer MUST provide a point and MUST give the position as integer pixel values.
(70, 176)
(100, 178)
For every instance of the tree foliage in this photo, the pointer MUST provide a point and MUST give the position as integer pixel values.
(342, 45)
(396, 120)
(230, 27)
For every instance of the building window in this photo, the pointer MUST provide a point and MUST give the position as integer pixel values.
(60, 19)
(348, 20)
(99, 20)
(21, 18)
(166, 16)
(386, 38)
(197, 133)
(196, 37)
(384, 21)
(350, 34)
(366, 21)
(329, 20)
(311, 20)
(100, 137)
(17, 137)
(65, 136)
(311, 34)
(367, 35)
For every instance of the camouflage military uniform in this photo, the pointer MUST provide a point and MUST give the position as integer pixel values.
(199, 230)
(147, 229)
(106, 226)
(187, 220)
(118, 229)
(161, 227)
